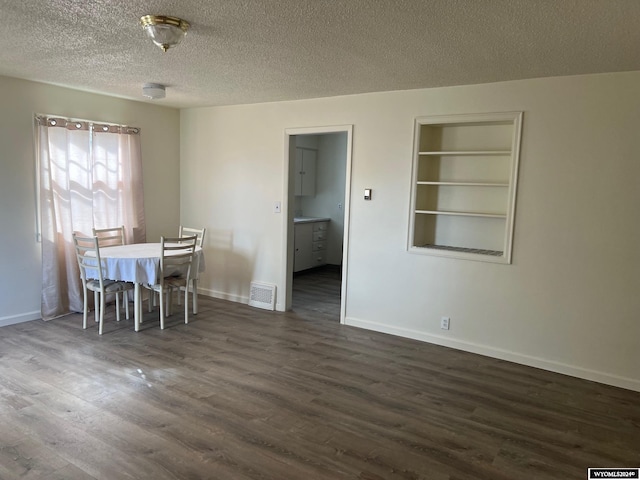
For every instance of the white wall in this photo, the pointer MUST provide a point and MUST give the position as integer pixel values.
(20, 267)
(569, 302)
(308, 141)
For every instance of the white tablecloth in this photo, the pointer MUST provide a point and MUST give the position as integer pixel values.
(138, 262)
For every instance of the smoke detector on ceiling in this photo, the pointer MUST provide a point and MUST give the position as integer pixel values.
(154, 91)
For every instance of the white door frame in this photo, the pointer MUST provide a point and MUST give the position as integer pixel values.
(289, 162)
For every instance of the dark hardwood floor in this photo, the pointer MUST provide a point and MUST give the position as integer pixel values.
(316, 293)
(243, 393)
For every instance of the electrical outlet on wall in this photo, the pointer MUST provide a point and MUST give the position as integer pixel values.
(444, 323)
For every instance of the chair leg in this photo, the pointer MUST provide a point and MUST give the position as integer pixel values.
(118, 306)
(102, 308)
(86, 308)
(96, 302)
(162, 306)
(125, 297)
(186, 303)
(137, 306)
(194, 294)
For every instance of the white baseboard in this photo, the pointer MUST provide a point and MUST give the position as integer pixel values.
(23, 317)
(223, 295)
(233, 298)
(550, 365)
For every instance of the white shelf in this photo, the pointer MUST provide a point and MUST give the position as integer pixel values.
(466, 153)
(475, 251)
(462, 214)
(464, 184)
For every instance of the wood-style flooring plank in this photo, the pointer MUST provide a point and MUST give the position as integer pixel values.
(243, 393)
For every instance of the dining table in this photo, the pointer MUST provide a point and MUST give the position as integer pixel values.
(139, 263)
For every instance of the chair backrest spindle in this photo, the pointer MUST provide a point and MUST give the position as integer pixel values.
(110, 237)
(188, 231)
(177, 255)
(88, 255)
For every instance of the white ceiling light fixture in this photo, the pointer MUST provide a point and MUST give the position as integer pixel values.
(166, 32)
(154, 91)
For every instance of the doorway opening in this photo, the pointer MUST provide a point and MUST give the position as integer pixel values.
(318, 192)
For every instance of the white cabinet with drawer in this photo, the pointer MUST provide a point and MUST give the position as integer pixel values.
(310, 241)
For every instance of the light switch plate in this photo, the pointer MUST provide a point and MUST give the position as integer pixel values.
(367, 194)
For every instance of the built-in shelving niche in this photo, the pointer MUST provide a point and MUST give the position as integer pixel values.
(465, 170)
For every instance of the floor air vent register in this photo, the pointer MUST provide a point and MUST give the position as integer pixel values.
(262, 295)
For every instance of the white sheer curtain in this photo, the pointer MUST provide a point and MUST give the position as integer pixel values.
(90, 175)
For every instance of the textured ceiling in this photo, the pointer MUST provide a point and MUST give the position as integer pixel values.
(248, 51)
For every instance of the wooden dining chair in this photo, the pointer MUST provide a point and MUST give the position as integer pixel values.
(112, 237)
(200, 233)
(176, 267)
(91, 273)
